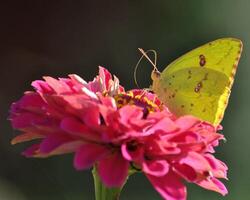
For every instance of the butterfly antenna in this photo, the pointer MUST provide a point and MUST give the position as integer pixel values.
(144, 54)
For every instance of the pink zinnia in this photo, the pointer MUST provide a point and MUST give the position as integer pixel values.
(117, 130)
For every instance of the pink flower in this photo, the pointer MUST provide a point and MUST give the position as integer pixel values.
(117, 130)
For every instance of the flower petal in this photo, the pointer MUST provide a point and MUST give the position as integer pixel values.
(42, 86)
(31, 151)
(26, 137)
(27, 119)
(58, 86)
(77, 79)
(75, 127)
(91, 116)
(129, 113)
(219, 168)
(213, 184)
(187, 122)
(156, 168)
(88, 154)
(132, 153)
(197, 162)
(166, 125)
(31, 101)
(186, 172)
(53, 141)
(169, 186)
(113, 170)
(67, 147)
(105, 77)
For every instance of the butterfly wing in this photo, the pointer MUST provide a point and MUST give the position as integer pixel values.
(200, 81)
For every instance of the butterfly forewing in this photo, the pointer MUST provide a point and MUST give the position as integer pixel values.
(199, 82)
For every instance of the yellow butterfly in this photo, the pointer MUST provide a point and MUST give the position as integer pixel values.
(199, 82)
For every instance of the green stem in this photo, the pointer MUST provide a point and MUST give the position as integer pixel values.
(102, 192)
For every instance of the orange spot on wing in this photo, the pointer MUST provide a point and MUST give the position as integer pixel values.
(202, 60)
(198, 87)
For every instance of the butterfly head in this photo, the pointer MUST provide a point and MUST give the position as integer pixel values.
(155, 75)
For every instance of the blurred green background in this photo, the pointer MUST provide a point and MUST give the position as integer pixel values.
(57, 38)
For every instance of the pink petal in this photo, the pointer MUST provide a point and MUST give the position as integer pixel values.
(169, 186)
(42, 86)
(96, 85)
(156, 168)
(197, 162)
(75, 127)
(26, 137)
(186, 172)
(108, 101)
(74, 104)
(129, 113)
(185, 138)
(166, 125)
(30, 101)
(89, 93)
(211, 137)
(77, 79)
(131, 154)
(26, 119)
(114, 87)
(213, 184)
(194, 147)
(219, 168)
(105, 76)
(187, 122)
(161, 147)
(159, 115)
(31, 151)
(91, 116)
(67, 147)
(52, 142)
(106, 112)
(88, 154)
(59, 87)
(113, 170)
(126, 154)
(141, 126)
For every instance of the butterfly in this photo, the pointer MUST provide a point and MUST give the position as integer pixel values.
(199, 82)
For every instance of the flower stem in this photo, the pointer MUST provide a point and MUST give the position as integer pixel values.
(102, 192)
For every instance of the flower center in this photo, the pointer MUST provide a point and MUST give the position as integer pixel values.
(139, 99)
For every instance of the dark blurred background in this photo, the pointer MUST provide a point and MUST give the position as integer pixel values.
(57, 38)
